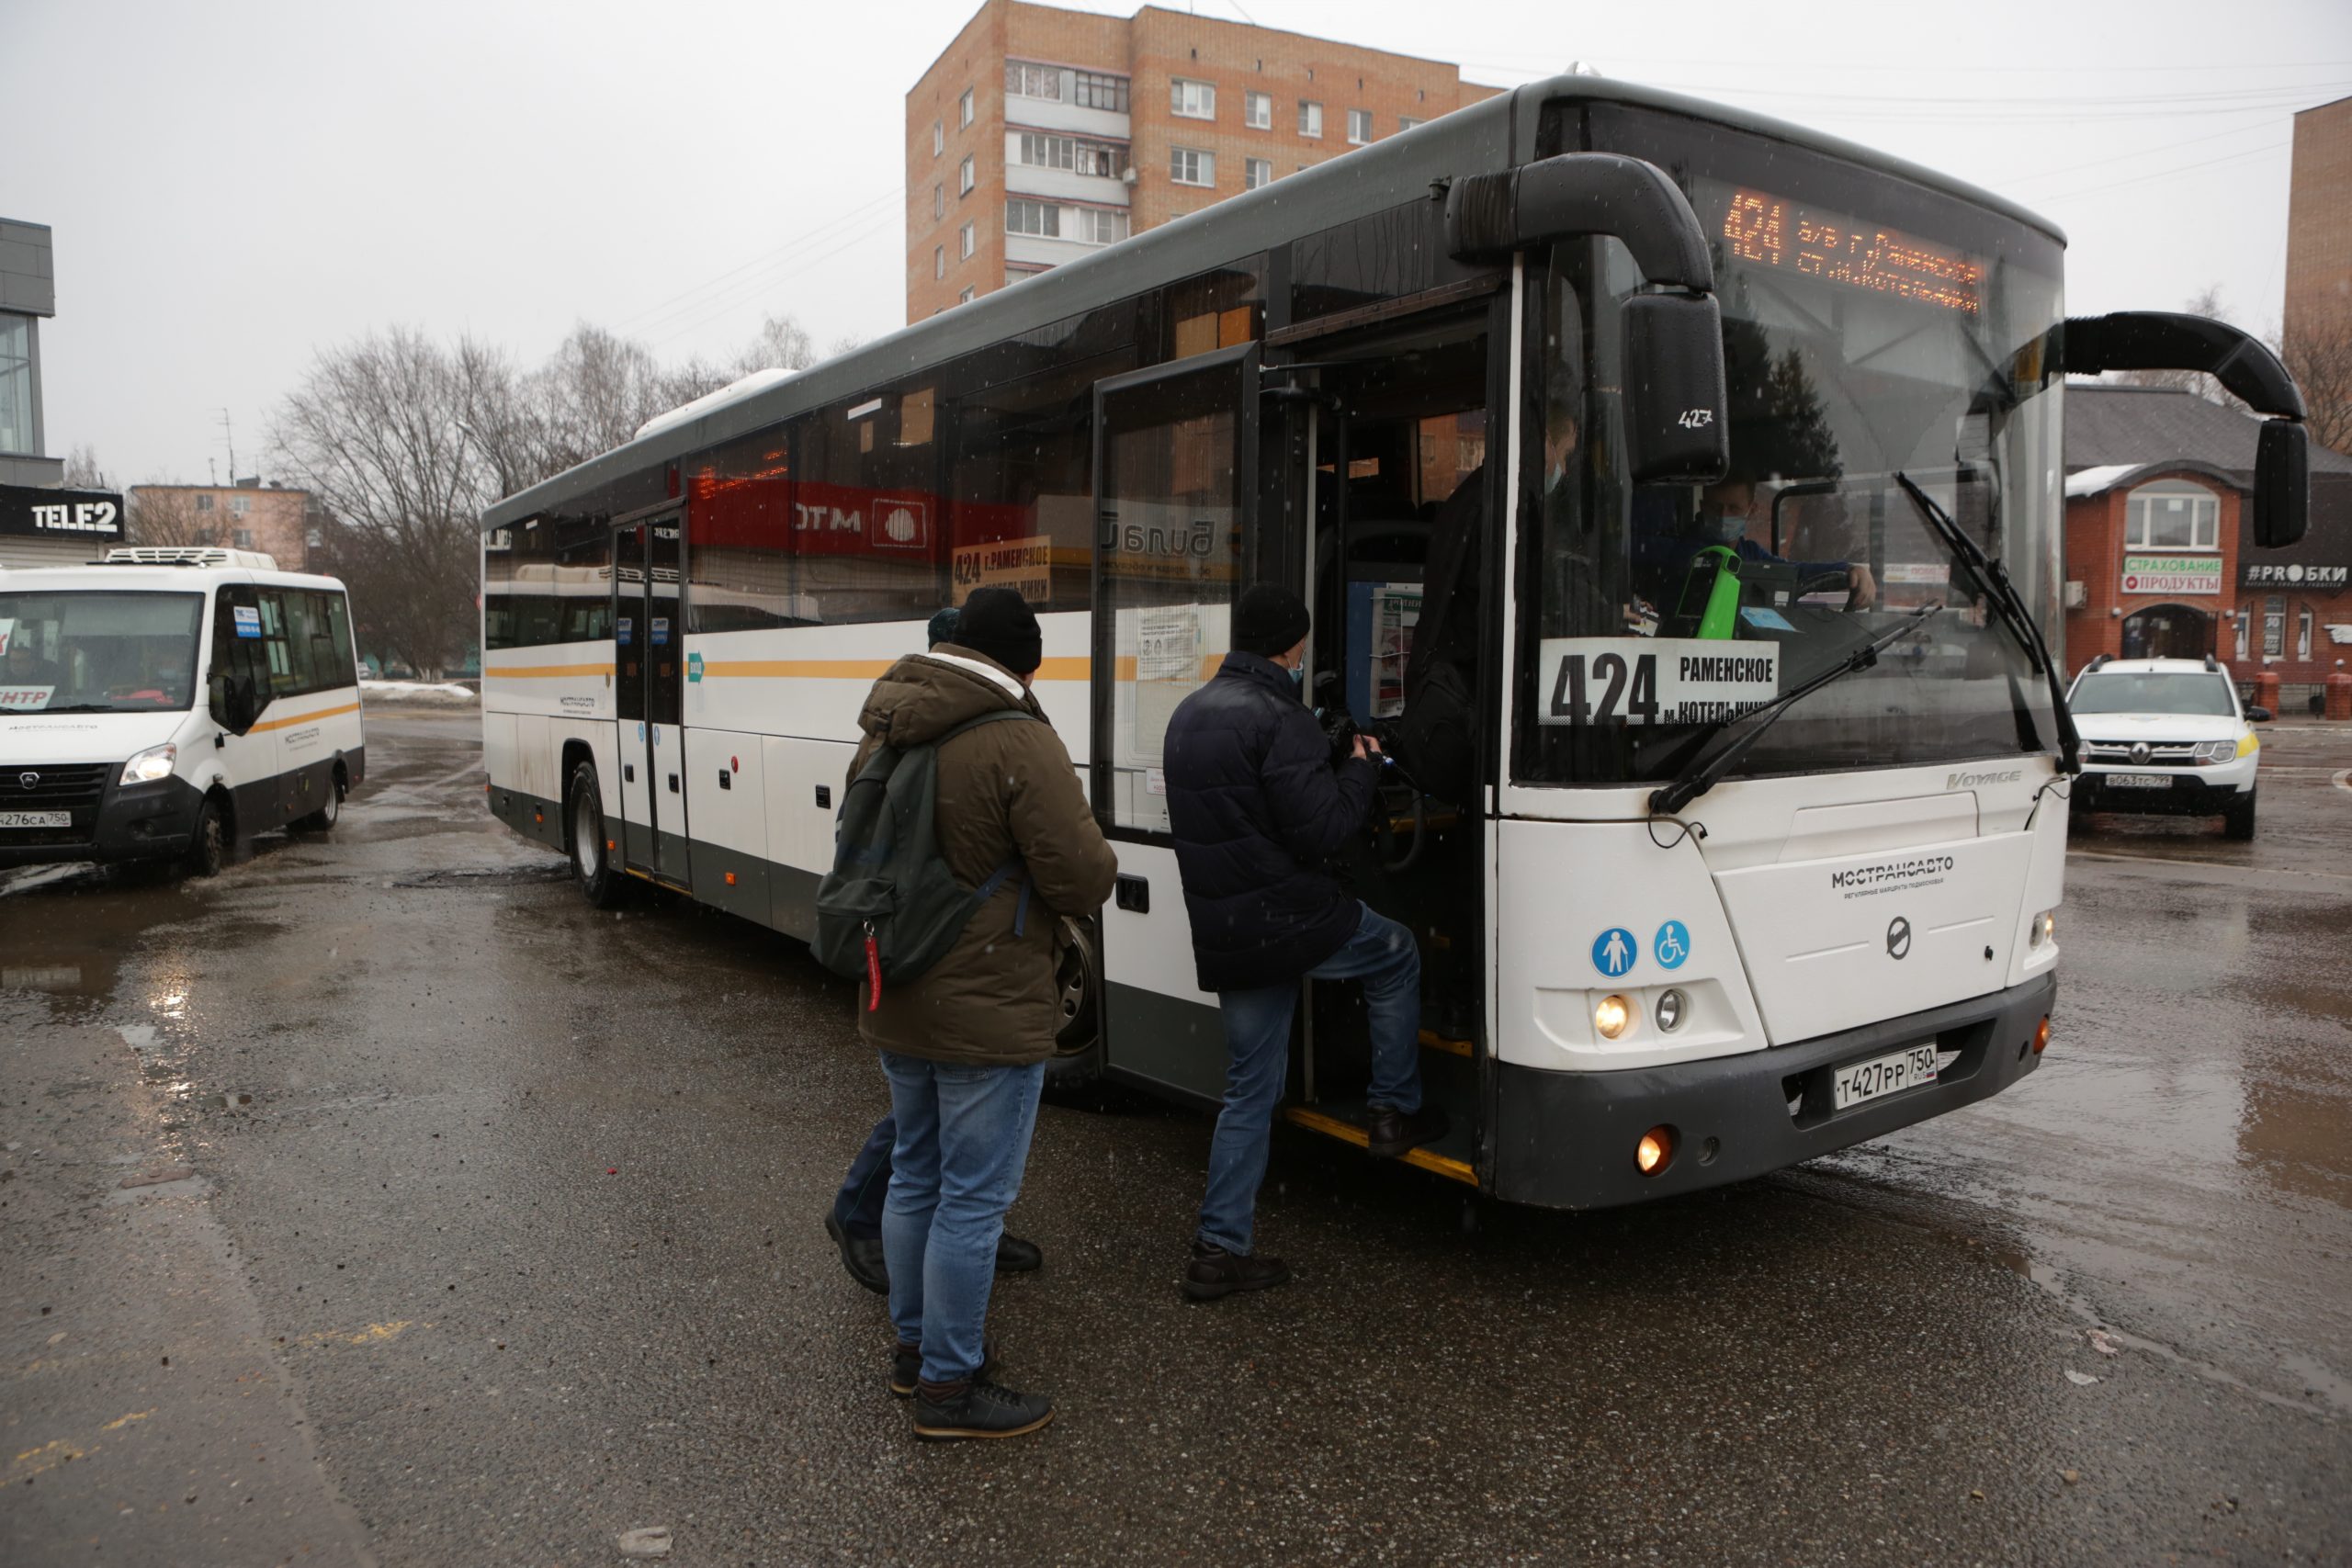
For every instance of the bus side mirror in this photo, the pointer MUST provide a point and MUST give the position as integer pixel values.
(2282, 483)
(1676, 431)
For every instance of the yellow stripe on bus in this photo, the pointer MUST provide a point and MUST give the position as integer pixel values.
(857, 669)
(1348, 1132)
(302, 719)
(544, 671)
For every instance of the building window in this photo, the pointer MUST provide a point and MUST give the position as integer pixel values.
(938, 137)
(964, 180)
(204, 504)
(2172, 515)
(241, 538)
(939, 261)
(1359, 125)
(1037, 150)
(964, 109)
(1190, 100)
(1023, 79)
(938, 202)
(1310, 118)
(966, 297)
(1100, 225)
(2244, 621)
(2274, 627)
(16, 383)
(1040, 218)
(239, 504)
(2304, 633)
(1191, 167)
(965, 242)
(1406, 122)
(1096, 91)
(1256, 172)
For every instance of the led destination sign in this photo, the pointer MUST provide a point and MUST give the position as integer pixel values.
(1852, 252)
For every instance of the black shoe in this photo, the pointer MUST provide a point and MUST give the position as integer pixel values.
(862, 1256)
(1392, 1132)
(1216, 1272)
(981, 1410)
(906, 1367)
(1014, 1255)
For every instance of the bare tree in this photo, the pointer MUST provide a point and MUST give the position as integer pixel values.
(2317, 349)
(164, 516)
(377, 431)
(83, 470)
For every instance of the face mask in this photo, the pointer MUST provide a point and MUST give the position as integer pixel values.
(1298, 676)
(1727, 529)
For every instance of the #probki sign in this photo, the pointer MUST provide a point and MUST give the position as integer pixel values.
(2172, 574)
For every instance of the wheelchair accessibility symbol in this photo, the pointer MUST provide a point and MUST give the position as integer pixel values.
(1673, 944)
(1613, 951)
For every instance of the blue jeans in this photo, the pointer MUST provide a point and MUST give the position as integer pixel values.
(858, 1207)
(962, 1144)
(1257, 1043)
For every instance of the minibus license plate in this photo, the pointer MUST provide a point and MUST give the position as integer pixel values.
(2138, 780)
(1907, 1069)
(36, 819)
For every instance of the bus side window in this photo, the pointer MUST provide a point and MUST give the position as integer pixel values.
(326, 667)
(338, 620)
(233, 691)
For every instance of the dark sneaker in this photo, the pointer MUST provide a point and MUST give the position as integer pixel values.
(906, 1365)
(1014, 1255)
(862, 1256)
(979, 1409)
(1391, 1133)
(1216, 1272)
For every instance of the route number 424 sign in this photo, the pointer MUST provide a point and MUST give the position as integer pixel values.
(1644, 680)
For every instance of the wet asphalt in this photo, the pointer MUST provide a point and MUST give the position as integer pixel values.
(379, 1202)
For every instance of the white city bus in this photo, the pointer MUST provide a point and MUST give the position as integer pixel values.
(162, 703)
(1678, 490)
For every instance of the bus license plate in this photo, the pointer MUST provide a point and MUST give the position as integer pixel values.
(1907, 1069)
(36, 819)
(2138, 780)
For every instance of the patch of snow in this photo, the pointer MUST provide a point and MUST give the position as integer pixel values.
(757, 381)
(418, 693)
(2093, 481)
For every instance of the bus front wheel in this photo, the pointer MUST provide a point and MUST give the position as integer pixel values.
(1077, 1061)
(592, 856)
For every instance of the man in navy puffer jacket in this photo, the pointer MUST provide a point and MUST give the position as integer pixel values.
(1257, 808)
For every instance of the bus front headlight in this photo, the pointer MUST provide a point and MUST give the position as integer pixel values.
(1612, 1016)
(155, 763)
(2044, 930)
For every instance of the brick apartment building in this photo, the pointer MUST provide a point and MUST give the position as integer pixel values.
(2160, 560)
(2318, 217)
(244, 514)
(1040, 134)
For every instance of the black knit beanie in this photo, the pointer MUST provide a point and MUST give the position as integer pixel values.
(1270, 619)
(999, 622)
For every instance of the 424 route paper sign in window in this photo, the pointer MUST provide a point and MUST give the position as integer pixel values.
(1643, 680)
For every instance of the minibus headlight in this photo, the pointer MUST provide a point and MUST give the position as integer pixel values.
(155, 763)
(1612, 1016)
(1656, 1150)
(1672, 1005)
(2044, 930)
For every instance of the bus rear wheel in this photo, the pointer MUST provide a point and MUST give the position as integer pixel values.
(329, 810)
(591, 858)
(1077, 1062)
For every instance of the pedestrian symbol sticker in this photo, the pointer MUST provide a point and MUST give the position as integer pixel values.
(1673, 944)
(1613, 951)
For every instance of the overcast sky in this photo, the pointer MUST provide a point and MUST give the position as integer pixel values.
(234, 185)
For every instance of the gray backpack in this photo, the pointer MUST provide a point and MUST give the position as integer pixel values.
(890, 907)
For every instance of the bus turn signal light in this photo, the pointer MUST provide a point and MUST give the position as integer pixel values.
(1655, 1151)
(2042, 1035)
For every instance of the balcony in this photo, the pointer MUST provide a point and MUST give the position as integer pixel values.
(1062, 185)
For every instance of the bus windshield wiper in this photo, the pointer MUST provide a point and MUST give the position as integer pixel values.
(82, 707)
(1993, 577)
(1737, 735)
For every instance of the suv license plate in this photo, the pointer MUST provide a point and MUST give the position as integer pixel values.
(36, 819)
(2138, 780)
(1907, 1069)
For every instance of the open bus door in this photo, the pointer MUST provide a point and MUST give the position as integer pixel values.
(1175, 485)
(649, 658)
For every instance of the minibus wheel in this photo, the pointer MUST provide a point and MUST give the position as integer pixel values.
(592, 860)
(207, 847)
(330, 812)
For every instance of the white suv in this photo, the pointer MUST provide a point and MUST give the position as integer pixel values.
(2165, 736)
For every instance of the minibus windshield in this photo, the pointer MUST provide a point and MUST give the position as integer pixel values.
(94, 651)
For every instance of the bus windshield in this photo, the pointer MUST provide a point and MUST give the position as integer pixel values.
(1873, 332)
(86, 651)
